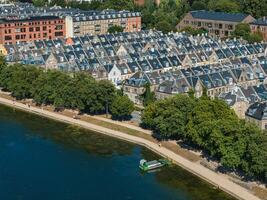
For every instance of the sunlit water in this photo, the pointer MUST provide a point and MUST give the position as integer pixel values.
(41, 159)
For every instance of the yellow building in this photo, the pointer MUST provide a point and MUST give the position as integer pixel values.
(3, 50)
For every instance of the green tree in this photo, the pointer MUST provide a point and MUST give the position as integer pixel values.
(148, 96)
(21, 80)
(115, 29)
(39, 3)
(256, 8)
(255, 37)
(199, 5)
(224, 6)
(121, 108)
(242, 30)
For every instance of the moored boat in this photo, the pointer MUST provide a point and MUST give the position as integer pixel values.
(154, 164)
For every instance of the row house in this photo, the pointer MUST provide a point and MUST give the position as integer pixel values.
(185, 61)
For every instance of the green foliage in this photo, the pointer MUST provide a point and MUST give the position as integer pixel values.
(80, 92)
(255, 37)
(199, 5)
(214, 127)
(191, 31)
(121, 108)
(39, 3)
(243, 30)
(257, 8)
(115, 29)
(169, 116)
(18, 79)
(148, 96)
(229, 6)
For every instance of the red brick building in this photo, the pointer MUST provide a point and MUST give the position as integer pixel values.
(133, 24)
(30, 29)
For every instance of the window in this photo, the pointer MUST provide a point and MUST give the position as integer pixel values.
(17, 37)
(58, 34)
(37, 29)
(59, 27)
(230, 27)
(31, 29)
(44, 28)
(8, 37)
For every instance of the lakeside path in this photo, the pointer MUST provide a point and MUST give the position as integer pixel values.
(215, 179)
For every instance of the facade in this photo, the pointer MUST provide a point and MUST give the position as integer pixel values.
(76, 22)
(257, 113)
(260, 25)
(99, 23)
(217, 23)
(30, 29)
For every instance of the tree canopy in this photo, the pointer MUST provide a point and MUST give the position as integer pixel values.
(78, 91)
(115, 29)
(121, 108)
(212, 126)
(243, 30)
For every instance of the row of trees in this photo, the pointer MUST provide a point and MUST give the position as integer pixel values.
(77, 91)
(212, 126)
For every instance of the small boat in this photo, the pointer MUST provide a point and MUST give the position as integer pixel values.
(154, 164)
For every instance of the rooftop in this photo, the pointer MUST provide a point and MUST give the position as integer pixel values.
(219, 16)
(260, 22)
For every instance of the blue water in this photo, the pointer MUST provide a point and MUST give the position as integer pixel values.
(41, 159)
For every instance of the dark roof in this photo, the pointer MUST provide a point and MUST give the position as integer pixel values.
(37, 18)
(219, 16)
(257, 111)
(260, 22)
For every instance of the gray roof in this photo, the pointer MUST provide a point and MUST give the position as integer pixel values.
(219, 16)
(258, 111)
(260, 22)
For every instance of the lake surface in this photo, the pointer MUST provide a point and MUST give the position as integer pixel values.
(41, 159)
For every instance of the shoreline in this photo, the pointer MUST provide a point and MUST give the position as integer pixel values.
(205, 174)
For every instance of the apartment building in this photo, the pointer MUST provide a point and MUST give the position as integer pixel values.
(217, 23)
(260, 25)
(31, 28)
(99, 22)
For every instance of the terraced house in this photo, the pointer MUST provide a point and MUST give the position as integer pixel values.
(171, 63)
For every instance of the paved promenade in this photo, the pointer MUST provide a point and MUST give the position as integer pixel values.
(218, 180)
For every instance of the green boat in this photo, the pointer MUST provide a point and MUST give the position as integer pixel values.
(154, 164)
